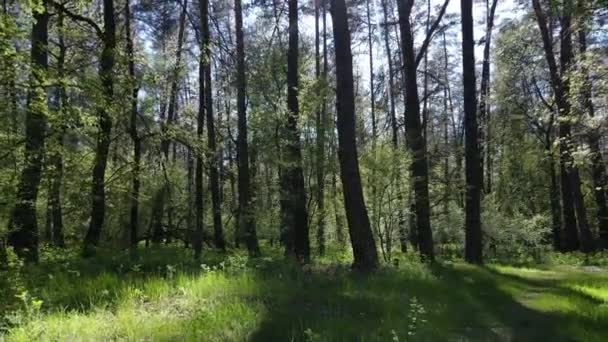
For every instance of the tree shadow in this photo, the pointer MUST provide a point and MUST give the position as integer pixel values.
(459, 304)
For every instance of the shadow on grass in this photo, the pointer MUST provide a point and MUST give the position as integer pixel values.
(459, 303)
(442, 302)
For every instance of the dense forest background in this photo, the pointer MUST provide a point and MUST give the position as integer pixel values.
(370, 124)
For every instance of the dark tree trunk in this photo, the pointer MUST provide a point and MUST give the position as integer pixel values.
(321, 121)
(362, 239)
(566, 57)
(394, 125)
(23, 229)
(414, 137)
(484, 91)
(560, 87)
(246, 214)
(197, 241)
(134, 211)
(214, 182)
(473, 234)
(294, 212)
(98, 195)
(553, 195)
(56, 159)
(598, 167)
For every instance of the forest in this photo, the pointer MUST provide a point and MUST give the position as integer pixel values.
(303, 170)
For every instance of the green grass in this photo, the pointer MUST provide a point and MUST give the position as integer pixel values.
(166, 297)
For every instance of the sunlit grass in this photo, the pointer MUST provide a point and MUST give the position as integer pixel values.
(231, 298)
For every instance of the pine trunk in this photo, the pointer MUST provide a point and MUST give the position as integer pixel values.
(362, 239)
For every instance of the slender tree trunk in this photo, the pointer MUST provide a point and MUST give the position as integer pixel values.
(569, 231)
(23, 229)
(56, 159)
(98, 195)
(246, 214)
(414, 136)
(425, 96)
(292, 176)
(321, 122)
(362, 239)
(134, 211)
(197, 243)
(598, 167)
(566, 57)
(394, 130)
(473, 233)
(484, 92)
(214, 185)
(554, 195)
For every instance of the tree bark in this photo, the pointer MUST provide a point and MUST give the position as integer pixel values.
(362, 239)
(106, 69)
(23, 229)
(566, 57)
(484, 91)
(473, 233)
(246, 214)
(58, 132)
(598, 168)
(214, 183)
(294, 211)
(134, 210)
(321, 121)
(573, 210)
(414, 137)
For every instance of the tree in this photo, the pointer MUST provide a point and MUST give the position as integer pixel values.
(321, 122)
(361, 237)
(484, 92)
(473, 238)
(134, 211)
(214, 182)
(246, 217)
(573, 207)
(23, 229)
(294, 213)
(106, 69)
(414, 137)
(593, 137)
(55, 221)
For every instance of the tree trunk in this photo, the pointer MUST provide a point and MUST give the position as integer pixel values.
(294, 211)
(362, 239)
(23, 229)
(134, 211)
(566, 56)
(414, 137)
(197, 242)
(569, 231)
(106, 69)
(473, 234)
(484, 91)
(246, 214)
(321, 121)
(214, 185)
(553, 192)
(393, 121)
(56, 159)
(598, 169)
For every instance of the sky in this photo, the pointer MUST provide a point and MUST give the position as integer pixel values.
(505, 10)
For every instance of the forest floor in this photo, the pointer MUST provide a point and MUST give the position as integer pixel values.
(164, 296)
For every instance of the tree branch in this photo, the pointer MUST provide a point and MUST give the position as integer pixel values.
(80, 18)
(431, 32)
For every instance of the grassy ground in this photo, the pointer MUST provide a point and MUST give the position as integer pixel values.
(233, 299)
